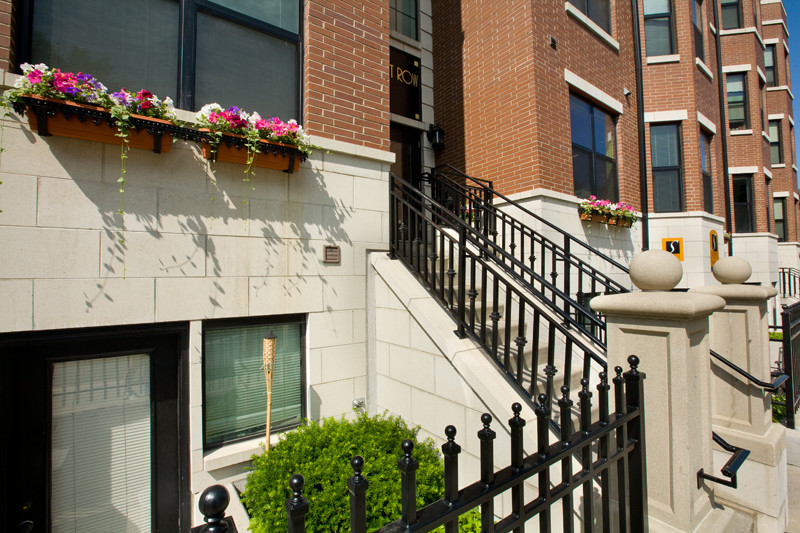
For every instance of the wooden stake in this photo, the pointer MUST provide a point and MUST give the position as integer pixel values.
(268, 356)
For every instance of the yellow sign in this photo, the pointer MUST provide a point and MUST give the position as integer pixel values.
(713, 243)
(673, 246)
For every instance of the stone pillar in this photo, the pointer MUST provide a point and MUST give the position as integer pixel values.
(742, 411)
(669, 333)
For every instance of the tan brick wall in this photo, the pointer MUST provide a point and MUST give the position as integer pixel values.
(346, 71)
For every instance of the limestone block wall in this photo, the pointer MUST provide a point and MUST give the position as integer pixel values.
(761, 251)
(196, 245)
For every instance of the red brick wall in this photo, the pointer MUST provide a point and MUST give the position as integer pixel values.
(346, 71)
(7, 23)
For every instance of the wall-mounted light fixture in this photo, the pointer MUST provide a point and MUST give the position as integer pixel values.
(436, 137)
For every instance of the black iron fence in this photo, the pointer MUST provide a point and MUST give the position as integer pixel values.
(790, 363)
(531, 339)
(607, 455)
(789, 282)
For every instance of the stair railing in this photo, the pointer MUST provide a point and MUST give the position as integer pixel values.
(789, 282)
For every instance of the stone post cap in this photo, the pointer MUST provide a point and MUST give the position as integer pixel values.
(732, 272)
(656, 270)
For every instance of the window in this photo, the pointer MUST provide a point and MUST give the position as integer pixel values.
(705, 169)
(775, 142)
(403, 17)
(770, 66)
(594, 165)
(234, 386)
(197, 51)
(666, 157)
(743, 203)
(599, 11)
(658, 28)
(697, 17)
(779, 208)
(738, 118)
(731, 14)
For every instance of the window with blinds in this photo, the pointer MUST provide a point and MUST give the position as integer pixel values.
(100, 445)
(234, 384)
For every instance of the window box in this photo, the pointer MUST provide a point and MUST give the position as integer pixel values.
(48, 116)
(273, 155)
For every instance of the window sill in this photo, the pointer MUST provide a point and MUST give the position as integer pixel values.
(655, 60)
(703, 68)
(591, 25)
(742, 132)
(781, 88)
(235, 453)
(766, 136)
(779, 165)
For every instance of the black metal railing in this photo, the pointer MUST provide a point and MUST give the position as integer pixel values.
(790, 318)
(731, 467)
(528, 339)
(772, 386)
(789, 282)
(611, 448)
(474, 200)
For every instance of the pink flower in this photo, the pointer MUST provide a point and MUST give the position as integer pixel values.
(35, 76)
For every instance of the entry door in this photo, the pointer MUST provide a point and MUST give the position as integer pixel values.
(96, 423)
(407, 148)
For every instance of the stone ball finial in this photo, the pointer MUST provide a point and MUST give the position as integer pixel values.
(656, 270)
(732, 270)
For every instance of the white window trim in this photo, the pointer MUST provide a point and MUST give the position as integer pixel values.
(666, 116)
(713, 29)
(772, 41)
(786, 47)
(782, 88)
(781, 194)
(767, 172)
(742, 170)
(791, 120)
(778, 165)
(741, 132)
(777, 116)
(794, 167)
(706, 123)
(703, 68)
(796, 196)
(742, 31)
(592, 91)
(761, 74)
(591, 25)
(765, 2)
(730, 69)
(670, 58)
(766, 136)
(776, 21)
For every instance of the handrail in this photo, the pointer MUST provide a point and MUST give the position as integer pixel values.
(769, 387)
(588, 247)
(731, 467)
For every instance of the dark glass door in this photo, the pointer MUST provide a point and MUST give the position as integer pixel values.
(406, 143)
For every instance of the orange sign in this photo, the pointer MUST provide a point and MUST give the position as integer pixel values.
(673, 246)
(713, 243)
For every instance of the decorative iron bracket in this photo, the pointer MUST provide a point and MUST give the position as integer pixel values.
(731, 467)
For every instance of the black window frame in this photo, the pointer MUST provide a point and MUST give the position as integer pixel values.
(188, 11)
(743, 206)
(592, 9)
(745, 124)
(771, 72)
(396, 12)
(776, 145)
(706, 172)
(594, 155)
(670, 18)
(697, 20)
(233, 323)
(780, 223)
(731, 6)
(673, 168)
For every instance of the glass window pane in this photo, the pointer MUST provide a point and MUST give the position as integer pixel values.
(656, 7)
(666, 191)
(582, 173)
(604, 133)
(664, 145)
(658, 37)
(743, 219)
(580, 122)
(284, 14)
(730, 15)
(708, 194)
(77, 36)
(705, 155)
(235, 394)
(226, 51)
(605, 176)
(778, 208)
(600, 13)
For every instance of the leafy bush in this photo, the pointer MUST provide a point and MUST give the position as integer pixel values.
(779, 411)
(776, 335)
(321, 452)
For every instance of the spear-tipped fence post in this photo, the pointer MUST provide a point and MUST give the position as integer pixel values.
(634, 390)
(358, 486)
(487, 436)
(297, 505)
(450, 450)
(517, 424)
(408, 474)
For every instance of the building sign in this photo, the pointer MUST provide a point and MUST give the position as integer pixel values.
(673, 246)
(713, 243)
(405, 90)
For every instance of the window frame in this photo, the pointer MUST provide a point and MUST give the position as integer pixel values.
(748, 202)
(393, 9)
(731, 5)
(188, 11)
(771, 73)
(776, 143)
(233, 323)
(670, 17)
(699, 38)
(780, 223)
(679, 167)
(590, 9)
(745, 101)
(706, 172)
(593, 154)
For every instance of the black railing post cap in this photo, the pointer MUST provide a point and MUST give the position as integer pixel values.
(450, 448)
(407, 464)
(213, 501)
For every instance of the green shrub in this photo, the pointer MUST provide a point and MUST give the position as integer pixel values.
(321, 452)
(779, 411)
(776, 335)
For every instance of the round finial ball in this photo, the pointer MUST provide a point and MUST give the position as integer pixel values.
(732, 270)
(450, 432)
(565, 390)
(297, 483)
(656, 270)
(542, 399)
(516, 408)
(214, 500)
(357, 463)
(486, 419)
(407, 446)
(633, 361)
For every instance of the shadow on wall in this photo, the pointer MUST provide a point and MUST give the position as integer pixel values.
(180, 216)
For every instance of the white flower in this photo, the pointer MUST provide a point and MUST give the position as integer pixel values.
(206, 110)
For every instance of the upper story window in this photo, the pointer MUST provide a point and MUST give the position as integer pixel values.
(738, 113)
(599, 11)
(742, 191)
(594, 150)
(705, 170)
(770, 66)
(659, 28)
(731, 14)
(403, 16)
(775, 142)
(697, 19)
(234, 52)
(665, 153)
(779, 210)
